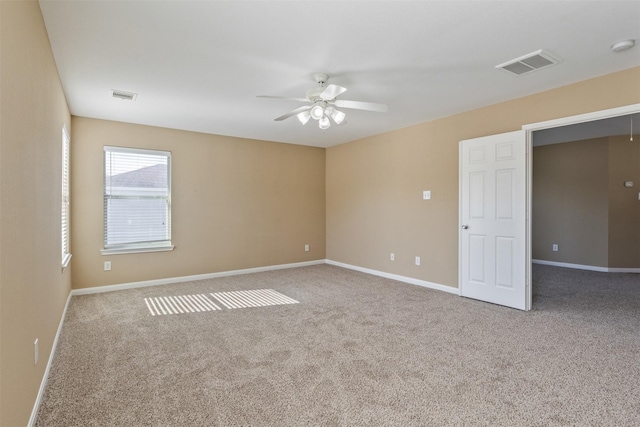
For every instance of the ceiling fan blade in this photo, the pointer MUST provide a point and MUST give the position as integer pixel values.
(283, 97)
(293, 113)
(331, 91)
(359, 105)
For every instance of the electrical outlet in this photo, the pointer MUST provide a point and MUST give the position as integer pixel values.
(35, 352)
(426, 195)
(555, 247)
(107, 266)
(417, 260)
(393, 256)
(306, 248)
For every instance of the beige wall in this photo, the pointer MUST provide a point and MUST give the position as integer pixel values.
(33, 288)
(570, 204)
(624, 206)
(374, 185)
(236, 203)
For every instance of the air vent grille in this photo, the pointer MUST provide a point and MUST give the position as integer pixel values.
(121, 94)
(528, 63)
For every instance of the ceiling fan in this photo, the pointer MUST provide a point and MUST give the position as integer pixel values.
(322, 104)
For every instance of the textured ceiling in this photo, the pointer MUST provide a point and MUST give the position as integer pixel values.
(198, 65)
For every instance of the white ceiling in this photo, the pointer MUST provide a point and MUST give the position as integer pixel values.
(198, 65)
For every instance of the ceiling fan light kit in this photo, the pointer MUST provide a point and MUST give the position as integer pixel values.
(323, 102)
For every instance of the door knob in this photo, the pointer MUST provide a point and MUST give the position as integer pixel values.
(464, 227)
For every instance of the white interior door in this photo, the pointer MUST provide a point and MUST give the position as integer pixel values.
(493, 197)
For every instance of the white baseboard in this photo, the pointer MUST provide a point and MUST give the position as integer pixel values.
(43, 383)
(399, 278)
(624, 270)
(132, 285)
(586, 267)
(170, 280)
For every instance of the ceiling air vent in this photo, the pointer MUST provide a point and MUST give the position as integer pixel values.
(528, 63)
(121, 94)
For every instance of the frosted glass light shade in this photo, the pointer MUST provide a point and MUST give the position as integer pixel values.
(338, 116)
(324, 123)
(303, 117)
(317, 112)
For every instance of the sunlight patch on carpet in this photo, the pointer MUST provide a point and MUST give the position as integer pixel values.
(256, 298)
(199, 303)
(180, 304)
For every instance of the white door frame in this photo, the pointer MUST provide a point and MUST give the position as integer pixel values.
(565, 121)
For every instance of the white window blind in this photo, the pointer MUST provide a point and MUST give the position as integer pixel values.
(137, 199)
(66, 255)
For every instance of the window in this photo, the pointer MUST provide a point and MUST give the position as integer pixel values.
(137, 200)
(66, 255)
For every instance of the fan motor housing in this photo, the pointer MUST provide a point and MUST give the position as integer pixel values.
(313, 94)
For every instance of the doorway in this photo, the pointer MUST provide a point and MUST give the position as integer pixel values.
(585, 123)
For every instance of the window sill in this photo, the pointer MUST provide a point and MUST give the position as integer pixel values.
(66, 260)
(136, 249)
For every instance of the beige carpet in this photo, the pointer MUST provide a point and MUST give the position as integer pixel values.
(356, 350)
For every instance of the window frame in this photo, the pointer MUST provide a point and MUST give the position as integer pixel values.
(138, 247)
(65, 212)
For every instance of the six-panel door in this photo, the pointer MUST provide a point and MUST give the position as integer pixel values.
(493, 219)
